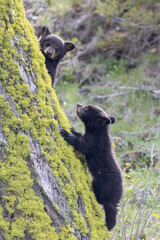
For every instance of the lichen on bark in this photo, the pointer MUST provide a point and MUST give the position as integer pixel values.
(45, 191)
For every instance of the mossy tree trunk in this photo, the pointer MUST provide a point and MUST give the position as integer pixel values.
(45, 191)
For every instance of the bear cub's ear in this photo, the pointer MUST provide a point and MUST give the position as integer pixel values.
(112, 119)
(108, 120)
(69, 46)
(45, 31)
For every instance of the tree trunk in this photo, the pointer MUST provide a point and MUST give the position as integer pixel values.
(45, 191)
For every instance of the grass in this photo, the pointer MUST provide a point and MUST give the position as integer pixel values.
(139, 216)
(138, 130)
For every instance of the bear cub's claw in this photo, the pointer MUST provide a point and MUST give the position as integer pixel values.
(63, 133)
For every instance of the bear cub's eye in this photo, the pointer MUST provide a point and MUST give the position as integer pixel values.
(57, 49)
(47, 44)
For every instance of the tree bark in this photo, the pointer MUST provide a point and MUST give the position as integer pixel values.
(45, 190)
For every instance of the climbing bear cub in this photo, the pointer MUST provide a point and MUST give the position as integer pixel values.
(96, 145)
(54, 49)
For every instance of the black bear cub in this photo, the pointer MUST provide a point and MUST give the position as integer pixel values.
(54, 49)
(96, 145)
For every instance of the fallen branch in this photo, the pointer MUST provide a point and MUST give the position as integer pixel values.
(147, 89)
(113, 95)
(152, 155)
(151, 90)
(89, 48)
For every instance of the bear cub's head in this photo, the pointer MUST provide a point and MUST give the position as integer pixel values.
(94, 116)
(52, 46)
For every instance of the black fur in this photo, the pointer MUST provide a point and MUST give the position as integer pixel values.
(95, 144)
(54, 49)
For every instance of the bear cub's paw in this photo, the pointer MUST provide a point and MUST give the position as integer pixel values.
(64, 133)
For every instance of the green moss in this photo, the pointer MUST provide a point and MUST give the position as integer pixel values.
(18, 228)
(66, 233)
(80, 223)
(4, 225)
(36, 115)
(19, 195)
